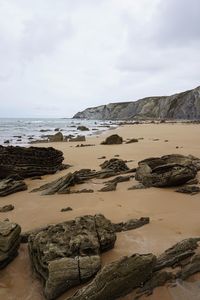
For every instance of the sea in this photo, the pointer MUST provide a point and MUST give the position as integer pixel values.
(23, 131)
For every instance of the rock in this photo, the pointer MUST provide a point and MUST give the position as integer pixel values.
(63, 184)
(169, 170)
(177, 253)
(113, 139)
(118, 278)
(192, 268)
(82, 128)
(67, 254)
(119, 179)
(6, 142)
(102, 157)
(138, 186)
(158, 279)
(115, 164)
(79, 138)
(29, 162)
(44, 130)
(7, 208)
(10, 186)
(131, 224)
(189, 189)
(192, 181)
(132, 141)
(109, 187)
(66, 209)
(57, 129)
(36, 178)
(81, 191)
(9, 242)
(85, 145)
(58, 137)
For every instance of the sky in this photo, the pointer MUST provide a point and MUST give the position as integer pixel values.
(58, 57)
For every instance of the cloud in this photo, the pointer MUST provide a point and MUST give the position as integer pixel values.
(58, 57)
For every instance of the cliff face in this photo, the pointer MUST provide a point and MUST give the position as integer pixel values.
(184, 106)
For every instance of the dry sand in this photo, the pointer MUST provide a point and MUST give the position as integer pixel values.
(173, 216)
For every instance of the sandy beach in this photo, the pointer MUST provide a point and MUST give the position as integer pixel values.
(173, 216)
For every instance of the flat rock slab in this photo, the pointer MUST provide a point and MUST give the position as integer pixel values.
(67, 254)
(29, 162)
(9, 242)
(7, 208)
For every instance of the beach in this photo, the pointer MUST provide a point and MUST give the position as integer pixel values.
(173, 216)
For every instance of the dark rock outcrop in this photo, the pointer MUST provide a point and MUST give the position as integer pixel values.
(118, 278)
(113, 139)
(82, 128)
(57, 137)
(29, 162)
(169, 170)
(109, 187)
(184, 106)
(67, 254)
(10, 186)
(9, 242)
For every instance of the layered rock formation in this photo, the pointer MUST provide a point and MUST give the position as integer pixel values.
(10, 186)
(168, 170)
(9, 242)
(68, 254)
(184, 105)
(29, 162)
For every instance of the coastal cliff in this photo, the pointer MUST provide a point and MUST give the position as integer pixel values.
(185, 106)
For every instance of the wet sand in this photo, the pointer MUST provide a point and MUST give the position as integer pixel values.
(173, 216)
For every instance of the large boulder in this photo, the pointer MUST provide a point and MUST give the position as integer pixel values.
(168, 170)
(113, 139)
(68, 254)
(29, 162)
(9, 242)
(118, 278)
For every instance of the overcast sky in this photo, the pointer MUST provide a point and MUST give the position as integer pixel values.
(58, 57)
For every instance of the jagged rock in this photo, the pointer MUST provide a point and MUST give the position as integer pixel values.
(113, 139)
(63, 184)
(177, 253)
(138, 186)
(58, 137)
(159, 278)
(109, 187)
(191, 268)
(78, 138)
(132, 141)
(66, 209)
(192, 181)
(9, 242)
(115, 164)
(169, 170)
(67, 254)
(189, 189)
(7, 208)
(81, 191)
(119, 179)
(131, 224)
(118, 278)
(10, 186)
(82, 128)
(29, 162)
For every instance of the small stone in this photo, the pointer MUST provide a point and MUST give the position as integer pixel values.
(66, 209)
(7, 208)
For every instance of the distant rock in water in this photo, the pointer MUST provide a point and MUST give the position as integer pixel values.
(185, 106)
(29, 162)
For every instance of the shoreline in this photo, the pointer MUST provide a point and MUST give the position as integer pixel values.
(173, 216)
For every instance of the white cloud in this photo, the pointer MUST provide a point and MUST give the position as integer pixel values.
(58, 57)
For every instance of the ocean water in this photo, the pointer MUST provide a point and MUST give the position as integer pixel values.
(22, 131)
